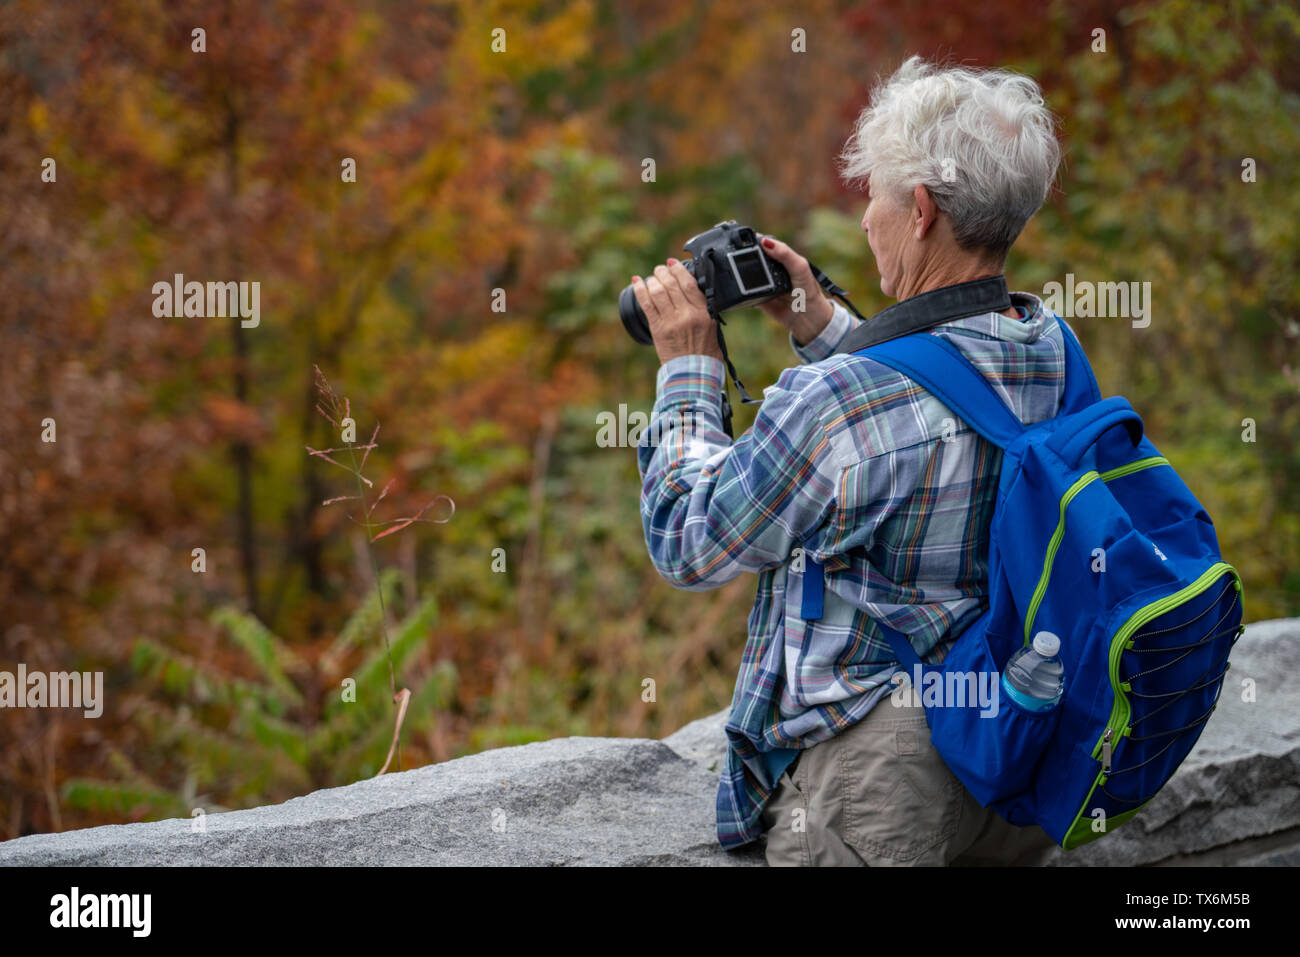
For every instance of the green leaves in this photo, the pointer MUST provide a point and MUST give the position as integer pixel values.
(267, 653)
(289, 727)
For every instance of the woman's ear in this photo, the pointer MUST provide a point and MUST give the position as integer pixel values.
(924, 211)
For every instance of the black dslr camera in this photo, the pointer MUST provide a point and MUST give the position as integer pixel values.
(731, 270)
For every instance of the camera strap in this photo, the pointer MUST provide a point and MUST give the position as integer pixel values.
(745, 397)
(930, 309)
(832, 289)
(827, 284)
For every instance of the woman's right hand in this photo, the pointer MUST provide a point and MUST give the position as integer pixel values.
(805, 326)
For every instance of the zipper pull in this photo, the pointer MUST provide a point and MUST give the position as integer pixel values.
(1105, 750)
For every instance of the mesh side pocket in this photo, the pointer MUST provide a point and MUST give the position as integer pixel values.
(1172, 673)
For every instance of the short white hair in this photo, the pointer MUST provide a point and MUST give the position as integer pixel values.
(981, 141)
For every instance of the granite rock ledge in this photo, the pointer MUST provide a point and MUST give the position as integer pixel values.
(636, 801)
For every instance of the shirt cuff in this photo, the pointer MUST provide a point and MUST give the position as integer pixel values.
(829, 339)
(693, 379)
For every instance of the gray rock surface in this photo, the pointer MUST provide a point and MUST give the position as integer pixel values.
(632, 801)
(559, 802)
(702, 741)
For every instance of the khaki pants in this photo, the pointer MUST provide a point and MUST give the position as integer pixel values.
(879, 795)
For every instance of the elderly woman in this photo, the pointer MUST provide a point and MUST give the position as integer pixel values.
(855, 466)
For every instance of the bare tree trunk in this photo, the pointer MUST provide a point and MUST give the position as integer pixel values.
(241, 450)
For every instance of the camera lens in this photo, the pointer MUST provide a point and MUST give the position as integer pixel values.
(634, 321)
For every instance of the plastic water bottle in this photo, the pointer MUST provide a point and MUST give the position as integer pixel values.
(1034, 677)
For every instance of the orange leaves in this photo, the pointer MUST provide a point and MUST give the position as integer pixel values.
(232, 420)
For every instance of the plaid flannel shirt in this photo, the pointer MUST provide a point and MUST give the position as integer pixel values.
(866, 472)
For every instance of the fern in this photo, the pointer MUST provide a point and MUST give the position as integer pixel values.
(251, 740)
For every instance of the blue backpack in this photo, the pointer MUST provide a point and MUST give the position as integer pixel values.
(1095, 539)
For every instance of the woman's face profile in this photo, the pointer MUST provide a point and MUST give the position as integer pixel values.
(886, 224)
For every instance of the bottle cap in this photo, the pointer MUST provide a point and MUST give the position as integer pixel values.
(1047, 644)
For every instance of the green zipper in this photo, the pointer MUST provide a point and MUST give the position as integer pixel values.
(1041, 588)
(1057, 536)
(1121, 710)
(1134, 466)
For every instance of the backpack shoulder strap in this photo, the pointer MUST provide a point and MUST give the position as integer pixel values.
(948, 375)
(1080, 384)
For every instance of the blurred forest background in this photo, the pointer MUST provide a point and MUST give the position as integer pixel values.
(522, 171)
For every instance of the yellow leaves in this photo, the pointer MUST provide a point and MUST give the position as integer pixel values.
(38, 116)
(144, 118)
(566, 38)
(390, 92)
(496, 346)
(510, 38)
